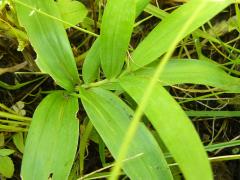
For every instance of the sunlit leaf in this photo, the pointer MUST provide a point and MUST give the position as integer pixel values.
(140, 5)
(160, 39)
(18, 141)
(91, 63)
(52, 138)
(111, 118)
(6, 166)
(72, 11)
(49, 40)
(173, 127)
(120, 16)
(6, 152)
(195, 72)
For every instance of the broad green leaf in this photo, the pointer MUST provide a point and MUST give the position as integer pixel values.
(111, 118)
(180, 71)
(140, 5)
(72, 11)
(116, 29)
(6, 152)
(92, 62)
(173, 126)
(160, 39)
(52, 138)
(49, 39)
(6, 166)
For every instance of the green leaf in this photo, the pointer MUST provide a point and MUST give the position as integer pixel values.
(116, 29)
(49, 39)
(160, 39)
(18, 141)
(92, 61)
(173, 126)
(111, 118)
(6, 166)
(140, 5)
(6, 152)
(72, 11)
(180, 71)
(52, 138)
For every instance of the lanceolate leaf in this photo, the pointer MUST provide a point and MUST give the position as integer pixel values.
(52, 138)
(194, 72)
(111, 118)
(49, 39)
(116, 30)
(161, 38)
(173, 126)
(92, 63)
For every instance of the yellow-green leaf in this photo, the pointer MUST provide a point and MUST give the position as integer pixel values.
(71, 11)
(160, 39)
(180, 71)
(111, 118)
(173, 127)
(116, 29)
(6, 166)
(49, 40)
(52, 138)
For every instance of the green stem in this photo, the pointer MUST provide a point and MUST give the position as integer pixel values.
(97, 84)
(15, 117)
(83, 144)
(7, 109)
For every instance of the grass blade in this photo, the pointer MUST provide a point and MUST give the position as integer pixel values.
(111, 118)
(120, 16)
(161, 38)
(173, 126)
(213, 113)
(50, 41)
(180, 71)
(54, 124)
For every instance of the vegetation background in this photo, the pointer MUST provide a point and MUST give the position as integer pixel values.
(207, 92)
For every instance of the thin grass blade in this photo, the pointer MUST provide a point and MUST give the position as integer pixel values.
(54, 124)
(111, 118)
(173, 127)
(162, 36)
(49, 39)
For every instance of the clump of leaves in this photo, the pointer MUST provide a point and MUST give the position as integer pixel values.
(53, 135)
